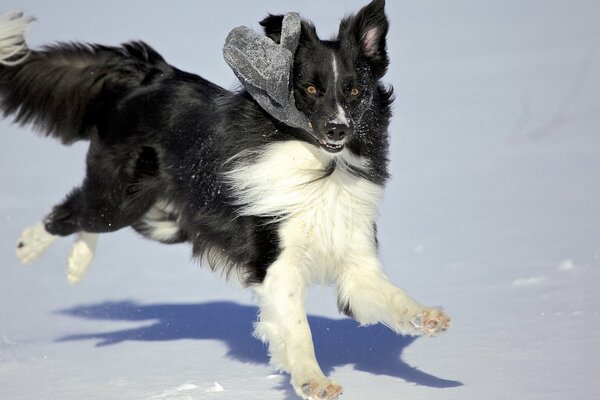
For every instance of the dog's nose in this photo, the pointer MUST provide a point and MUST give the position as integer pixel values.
(337, 132)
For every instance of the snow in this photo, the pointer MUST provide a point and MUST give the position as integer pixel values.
(566, 265)
(492, 212)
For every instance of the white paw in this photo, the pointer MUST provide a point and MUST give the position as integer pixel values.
(431, 322)
(82, 254)
(319, 389)
(33, 242)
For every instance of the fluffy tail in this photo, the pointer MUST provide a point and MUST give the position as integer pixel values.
(64, 89)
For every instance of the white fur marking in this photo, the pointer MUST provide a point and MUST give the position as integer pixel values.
(82, 254)
(325, 215)
(162, 229)
(340, 118)
(12, 38)
(335, 69)
(33, 242)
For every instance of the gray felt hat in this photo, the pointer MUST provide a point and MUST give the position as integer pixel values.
(265, 69)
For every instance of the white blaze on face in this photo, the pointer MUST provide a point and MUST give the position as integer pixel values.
(340, 118)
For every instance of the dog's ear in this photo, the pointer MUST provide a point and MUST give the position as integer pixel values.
(368, 30)
(272, 26)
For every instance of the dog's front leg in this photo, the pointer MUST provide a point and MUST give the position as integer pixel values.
(284, 326)
(366, 294)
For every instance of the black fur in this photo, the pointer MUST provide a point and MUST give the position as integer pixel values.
(74, 84)
(370, 22)
(161, 135)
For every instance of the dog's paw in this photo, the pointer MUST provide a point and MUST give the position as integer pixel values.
(431, 322)
(323, 389)
(82, 254)
(33, 242)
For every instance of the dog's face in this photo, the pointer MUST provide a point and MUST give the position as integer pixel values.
(334, 81)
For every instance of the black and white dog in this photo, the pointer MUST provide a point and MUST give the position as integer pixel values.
(179, 158)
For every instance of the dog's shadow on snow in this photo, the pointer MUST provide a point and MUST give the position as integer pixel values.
(373, 349)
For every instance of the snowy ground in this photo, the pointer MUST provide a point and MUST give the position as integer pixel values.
(493, 212)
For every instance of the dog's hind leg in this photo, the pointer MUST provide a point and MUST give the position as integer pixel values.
(88, 211)
(82, 254)
(36, 239)
(104, 203)
(113, 196)
(62, 221)
(33, 242)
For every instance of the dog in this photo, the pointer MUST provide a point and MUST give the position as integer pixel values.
(181, 159)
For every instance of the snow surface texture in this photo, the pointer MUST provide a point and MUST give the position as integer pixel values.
(492, 212)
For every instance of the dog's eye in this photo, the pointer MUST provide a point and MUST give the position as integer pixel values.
(311, 89)
(355, 92)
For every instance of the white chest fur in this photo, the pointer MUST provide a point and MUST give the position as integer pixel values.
(324, 219)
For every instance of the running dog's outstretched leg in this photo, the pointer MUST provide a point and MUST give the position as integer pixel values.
(367, 295)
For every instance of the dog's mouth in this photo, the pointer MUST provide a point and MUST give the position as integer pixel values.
(331, 147)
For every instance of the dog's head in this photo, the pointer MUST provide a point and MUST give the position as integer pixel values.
(335, 80)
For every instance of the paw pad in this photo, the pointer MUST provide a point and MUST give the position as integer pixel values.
(321, 390)
(431, 322)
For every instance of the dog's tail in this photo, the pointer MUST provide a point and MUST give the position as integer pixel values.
(64, 89)
(13, 48)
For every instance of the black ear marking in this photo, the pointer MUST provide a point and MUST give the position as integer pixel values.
(368, 30)
(272, 26)
(309, 33)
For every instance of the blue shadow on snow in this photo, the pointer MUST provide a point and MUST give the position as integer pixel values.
(374, 349)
